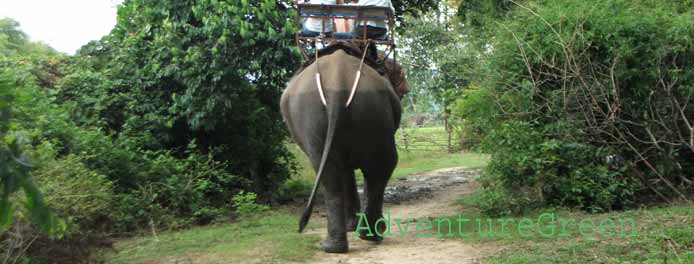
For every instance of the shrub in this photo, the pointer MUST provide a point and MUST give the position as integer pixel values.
(538, 170)
(77, 196)
(82, 196)
(473, 116)
(569, 83)
(177, 193)
(293, 190)
(245, 205)
(196, 187)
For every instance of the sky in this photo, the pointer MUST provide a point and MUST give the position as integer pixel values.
(65, 25)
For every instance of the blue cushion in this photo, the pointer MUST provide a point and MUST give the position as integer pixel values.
(305, 13)
(343, 35)
(308, 33)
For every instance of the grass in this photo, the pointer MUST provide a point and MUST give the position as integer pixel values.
(414, 162)
(270, 239)
(662, 235)
(659, 234)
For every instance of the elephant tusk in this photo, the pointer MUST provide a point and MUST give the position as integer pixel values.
(320, 90)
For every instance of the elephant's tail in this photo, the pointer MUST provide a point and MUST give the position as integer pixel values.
(333, 109)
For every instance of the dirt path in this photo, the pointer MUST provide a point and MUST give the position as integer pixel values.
(429, 194)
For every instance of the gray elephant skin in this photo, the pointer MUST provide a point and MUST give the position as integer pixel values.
(340, 139)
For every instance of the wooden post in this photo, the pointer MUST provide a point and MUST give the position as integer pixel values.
(447, 126)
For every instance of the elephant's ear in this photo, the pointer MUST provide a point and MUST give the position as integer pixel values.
(396, 75)
(403, 87)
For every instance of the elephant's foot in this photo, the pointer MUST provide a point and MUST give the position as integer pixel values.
(374, 237)
(335, 246)
(366, 237)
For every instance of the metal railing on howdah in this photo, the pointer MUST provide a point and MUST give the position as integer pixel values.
(351, 15)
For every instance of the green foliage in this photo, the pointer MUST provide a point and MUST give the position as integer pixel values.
(11, 38)
(480, 16)
(550, 171)
(81, 195)
(246, 206)
(412, 8)
(98, 184)
(435, 80)
(195, 188)
(563, 85)
(15, 167)
(173, 73)
(37, 142)
(473, 115)
(187, 92)
(293, 190)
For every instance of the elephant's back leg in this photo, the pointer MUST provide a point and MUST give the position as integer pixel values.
(351, 198)
(377, 172)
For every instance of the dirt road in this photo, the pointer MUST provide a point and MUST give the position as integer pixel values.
(429, 194)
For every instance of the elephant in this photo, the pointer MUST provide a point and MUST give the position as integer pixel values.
(338, 139)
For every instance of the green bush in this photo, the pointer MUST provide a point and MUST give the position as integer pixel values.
(473, 116)
(82, 196)
(565, 84)
(537, 170)
(196, 187)
(246, 206)
(177, 193)
(293, 190)
(158, 188)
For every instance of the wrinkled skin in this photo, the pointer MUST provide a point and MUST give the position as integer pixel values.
(362, 136)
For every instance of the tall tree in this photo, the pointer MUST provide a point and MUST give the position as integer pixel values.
(203, 73)
(435, 60)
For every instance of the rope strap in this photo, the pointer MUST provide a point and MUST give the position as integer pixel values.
(358, 77)
(318, 82)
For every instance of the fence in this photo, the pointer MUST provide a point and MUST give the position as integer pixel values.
(425, 139)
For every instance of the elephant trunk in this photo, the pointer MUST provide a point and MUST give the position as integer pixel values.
(333, 108)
